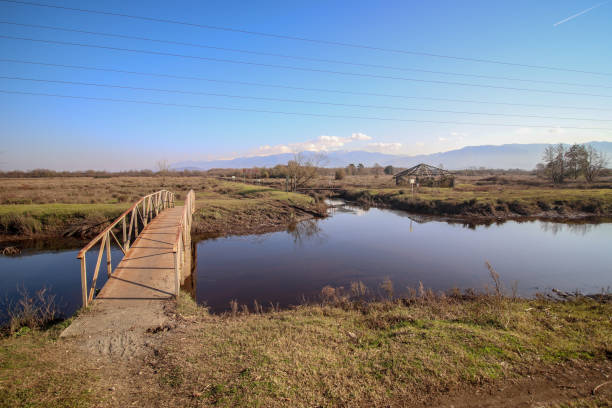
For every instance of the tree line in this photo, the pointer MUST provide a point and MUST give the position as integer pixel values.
(561, 162)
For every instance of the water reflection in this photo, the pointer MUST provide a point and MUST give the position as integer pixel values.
(306, 230)
(557, 227)
(355, 244)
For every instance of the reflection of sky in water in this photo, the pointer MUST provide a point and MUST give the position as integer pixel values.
(283, 266)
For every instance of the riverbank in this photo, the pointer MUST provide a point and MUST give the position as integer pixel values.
(27, 221)
(487, 204)
(451, 350)
(80, 207)
(230, 208)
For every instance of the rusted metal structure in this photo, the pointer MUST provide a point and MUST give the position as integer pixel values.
(142, 218)
(424, 175)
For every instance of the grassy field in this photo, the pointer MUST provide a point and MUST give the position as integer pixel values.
(342, 352)
(53, 206)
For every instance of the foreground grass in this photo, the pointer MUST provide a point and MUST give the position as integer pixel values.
(487, 201)
(342, 353)
(35, 371)
(358, 354)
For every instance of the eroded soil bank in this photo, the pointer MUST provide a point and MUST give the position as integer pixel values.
(562, 206)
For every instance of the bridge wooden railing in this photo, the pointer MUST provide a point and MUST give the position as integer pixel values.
(132, 222)
(182, 241)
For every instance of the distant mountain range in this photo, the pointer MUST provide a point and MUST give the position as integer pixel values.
(508, 156)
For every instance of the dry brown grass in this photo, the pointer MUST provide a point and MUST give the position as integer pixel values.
(345, 352)
(90, 190)
(30, 311)
(374, 354)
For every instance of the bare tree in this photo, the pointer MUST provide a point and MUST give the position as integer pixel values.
(377, 169)
(303, 169)
(162, 166)
(574, 157)
(593, 163)
(554, 160)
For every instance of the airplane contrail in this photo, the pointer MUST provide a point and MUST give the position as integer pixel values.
(579, 14)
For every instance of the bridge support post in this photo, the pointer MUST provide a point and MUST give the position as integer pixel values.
(177, 277)
(126, 245)
(109, 267)
(84, 280)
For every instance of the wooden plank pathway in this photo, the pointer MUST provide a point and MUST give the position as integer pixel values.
(146, 273)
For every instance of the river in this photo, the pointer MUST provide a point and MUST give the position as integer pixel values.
(354, 244)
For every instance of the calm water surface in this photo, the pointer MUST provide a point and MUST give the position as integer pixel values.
(57, 270)
(369, 245)
(353, 244)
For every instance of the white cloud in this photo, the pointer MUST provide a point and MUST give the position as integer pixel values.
(323, 143)
(420, 144)
(557, 131)
(442, 139)
(360, 136)
(384, 147)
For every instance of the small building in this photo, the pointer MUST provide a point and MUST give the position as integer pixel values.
(426, 176)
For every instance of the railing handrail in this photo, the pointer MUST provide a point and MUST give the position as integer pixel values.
(152, 204)
(182, 239)
(188, 210)
(115, 222)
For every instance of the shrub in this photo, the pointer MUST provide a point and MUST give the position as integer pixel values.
(19, 224)
(33, 312)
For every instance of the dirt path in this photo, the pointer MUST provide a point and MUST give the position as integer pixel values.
(586, 384)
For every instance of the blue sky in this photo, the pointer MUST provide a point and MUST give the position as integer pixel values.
(61, 133)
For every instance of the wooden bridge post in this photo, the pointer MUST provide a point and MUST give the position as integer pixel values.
(109, 267)
(145, 214)
(135, 219)
(126, 244)
(177, 277)
(84, 280)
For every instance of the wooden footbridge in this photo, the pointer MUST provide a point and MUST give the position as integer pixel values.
(154, 236)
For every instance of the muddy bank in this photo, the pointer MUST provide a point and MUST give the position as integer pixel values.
(75, 230)
(486, 211)
(267, 217)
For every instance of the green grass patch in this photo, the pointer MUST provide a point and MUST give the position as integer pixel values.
(36, 372)
(35, 218)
